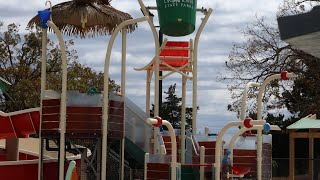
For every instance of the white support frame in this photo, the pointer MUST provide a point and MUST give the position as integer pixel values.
(259, 115)
(146, 161)
(195, 71)
(105, 108)
(174, 164)
(244, 99)
(156, 74)
(43, 88)
(62, 125)
(123, 93)
(183, 121)
(202, 161)
(219, 142)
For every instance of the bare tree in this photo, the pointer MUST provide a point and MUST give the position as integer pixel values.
(264, 54)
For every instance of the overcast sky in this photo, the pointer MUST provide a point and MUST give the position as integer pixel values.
(222, 30)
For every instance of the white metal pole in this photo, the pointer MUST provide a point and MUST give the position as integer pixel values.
(106, 91)
(148, 86)
(195, 72)
(146, 161)
(263, 88)
(233, 140)
(259, 115)
(63, 106)
(202, 161)
(174, 149)
(259, 152)
(183, 120)
(261, 92)
(123, 92)
(244, 99)
(43, 88)
(156, 74)
(219, 145)
(163, 149)
(173, 145)
(147, 140)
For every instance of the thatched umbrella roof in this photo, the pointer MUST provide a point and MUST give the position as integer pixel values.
(101, 18)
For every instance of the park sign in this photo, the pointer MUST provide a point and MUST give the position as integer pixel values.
(177, 17)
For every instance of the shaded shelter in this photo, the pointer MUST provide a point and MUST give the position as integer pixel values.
(306, 128)
(86, 18)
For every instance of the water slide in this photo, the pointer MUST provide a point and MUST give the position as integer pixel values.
(20, 124)
(137, 132)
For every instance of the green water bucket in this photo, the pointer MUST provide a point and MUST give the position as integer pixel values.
(177, 17)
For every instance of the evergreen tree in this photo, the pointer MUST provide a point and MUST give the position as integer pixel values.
(171, 109)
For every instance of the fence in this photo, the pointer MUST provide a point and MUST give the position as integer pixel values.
(281, 167)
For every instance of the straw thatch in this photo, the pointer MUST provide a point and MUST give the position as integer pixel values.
(102, 18)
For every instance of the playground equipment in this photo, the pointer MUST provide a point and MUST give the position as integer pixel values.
(70, 117)
(244, 98)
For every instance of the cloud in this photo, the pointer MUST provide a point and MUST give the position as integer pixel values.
(216, 41)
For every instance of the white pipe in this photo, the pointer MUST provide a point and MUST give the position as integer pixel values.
(263, 88)
(219, 142)
(146, 161)
(148, 86)
(156, 73)
(123, 91)
(259, 114)
(195, 72)
(106, 91)
(275, 128)
(195, 149)
(244, 99)
(166, 123)
(259, 152)
(202, 161)
(237, 134)
(43, 88)
(174, 149)
(63, 106)
(163, 149)
(234, 138)
(183, 121)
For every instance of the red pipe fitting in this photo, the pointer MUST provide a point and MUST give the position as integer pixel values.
(159, 121)
(284, 75)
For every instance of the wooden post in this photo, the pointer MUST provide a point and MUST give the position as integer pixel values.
(291, 154)
(311, 156)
